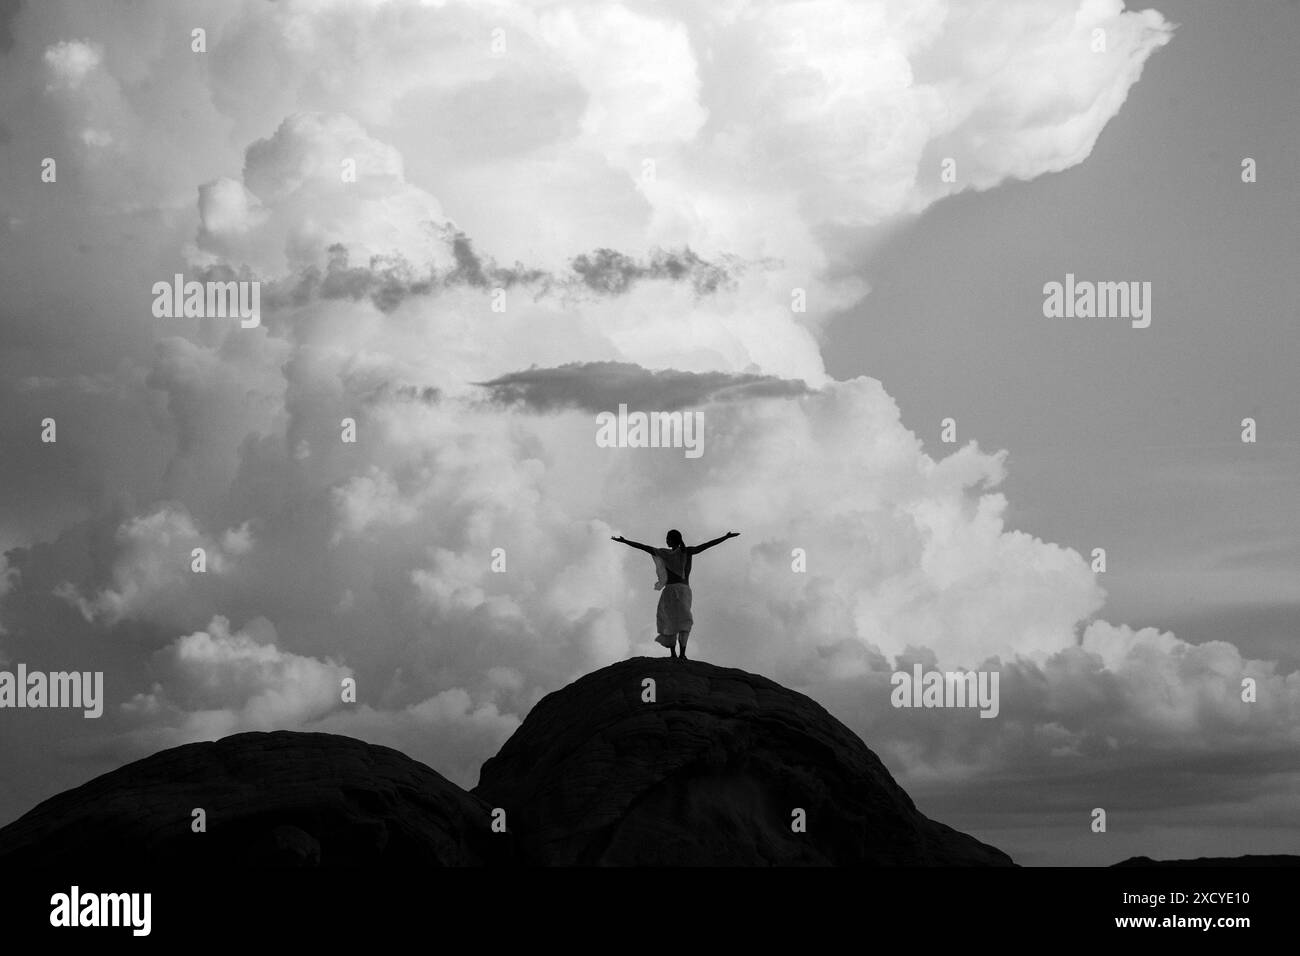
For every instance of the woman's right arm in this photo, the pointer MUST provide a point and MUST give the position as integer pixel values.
(634, 544)
(696, 549)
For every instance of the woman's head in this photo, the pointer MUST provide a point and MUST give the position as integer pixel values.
(674, 539)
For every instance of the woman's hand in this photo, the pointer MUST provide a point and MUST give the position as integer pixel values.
(733, 534)
(619, 538)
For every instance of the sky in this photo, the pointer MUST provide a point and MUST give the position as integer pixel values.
(738, 209)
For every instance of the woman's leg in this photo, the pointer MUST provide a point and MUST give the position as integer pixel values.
(682, 637)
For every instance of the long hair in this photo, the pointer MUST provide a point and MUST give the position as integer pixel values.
(674, 538)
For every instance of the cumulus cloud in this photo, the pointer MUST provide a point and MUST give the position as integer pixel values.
(70, 61)
(640, 72)
(450, 730)
(155, 564)
(318, 181)
(218, 681)
(1121, 700)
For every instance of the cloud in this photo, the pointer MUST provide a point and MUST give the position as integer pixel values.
(219, 682)
(450, 731)
(318, 181)
(69, 62)
(1123, 701)
(640, 73)
(610, 271)
(601, 386)
(8, 576)
(388, 280)
(155, 565)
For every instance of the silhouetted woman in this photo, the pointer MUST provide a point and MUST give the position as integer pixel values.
(673, 619)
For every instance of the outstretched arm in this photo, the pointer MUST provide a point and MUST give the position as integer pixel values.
(697, 548)
(633, 544)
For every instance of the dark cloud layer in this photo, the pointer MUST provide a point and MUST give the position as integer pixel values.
(603, 386)
(611, 272)
(389, 280)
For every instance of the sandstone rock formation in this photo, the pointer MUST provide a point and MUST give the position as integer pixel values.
(714, 771)
(270, 799)
(711, 773)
